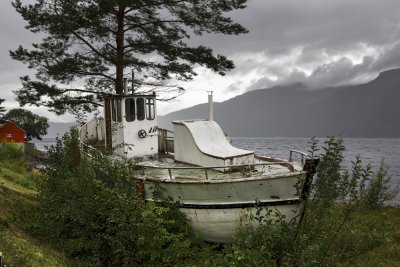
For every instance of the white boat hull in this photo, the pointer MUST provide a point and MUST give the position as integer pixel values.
(216, 209)
(222, 225)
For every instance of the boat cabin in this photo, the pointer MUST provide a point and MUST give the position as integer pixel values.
(131, 125)
(130, 129)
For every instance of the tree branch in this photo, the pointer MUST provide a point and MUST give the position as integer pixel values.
(89, 73)
(92, 47)
(154, 4)
(63, 91)
(133, 26)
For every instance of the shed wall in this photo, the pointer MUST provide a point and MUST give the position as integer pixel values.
(11, 133)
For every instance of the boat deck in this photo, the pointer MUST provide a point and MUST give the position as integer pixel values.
(167, 168)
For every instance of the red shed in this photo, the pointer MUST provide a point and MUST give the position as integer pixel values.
(11, 132)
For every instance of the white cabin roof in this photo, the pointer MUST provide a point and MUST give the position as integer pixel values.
(211, 140)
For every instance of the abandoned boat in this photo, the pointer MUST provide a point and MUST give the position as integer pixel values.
(219, 187)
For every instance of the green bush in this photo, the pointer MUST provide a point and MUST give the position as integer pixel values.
(89, 206)
(379, 190)
(330, 229)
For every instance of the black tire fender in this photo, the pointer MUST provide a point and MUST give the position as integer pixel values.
(142, 133)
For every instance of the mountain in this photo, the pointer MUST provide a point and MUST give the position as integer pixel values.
(365, 110)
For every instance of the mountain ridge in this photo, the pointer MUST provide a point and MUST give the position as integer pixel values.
(363, 110)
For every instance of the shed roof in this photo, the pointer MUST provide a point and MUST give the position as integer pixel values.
(4, 122)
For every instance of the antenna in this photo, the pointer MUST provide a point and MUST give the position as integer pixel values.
(133, 79)
(125, 86)
(210, 106)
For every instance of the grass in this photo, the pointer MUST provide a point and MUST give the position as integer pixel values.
(18, 195)
(389, 253)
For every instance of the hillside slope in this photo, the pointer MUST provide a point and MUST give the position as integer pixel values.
(365, 110)
(18, 195)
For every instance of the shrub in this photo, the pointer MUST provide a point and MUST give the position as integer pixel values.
(331, 228)
(88, 205)
(379, 190)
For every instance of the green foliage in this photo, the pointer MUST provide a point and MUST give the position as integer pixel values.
(268, 245)
(18, 201)
(89, 205)
(11, 152)
(333, 227)
(379, 190)
(35, 126)
(2, 109)
(100, 42)
(87, 209)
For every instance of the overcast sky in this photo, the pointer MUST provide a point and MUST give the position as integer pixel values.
(317, 42)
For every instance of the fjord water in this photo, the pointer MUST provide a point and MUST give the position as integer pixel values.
(370, 150)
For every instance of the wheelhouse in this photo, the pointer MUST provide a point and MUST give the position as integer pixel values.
(131, 124)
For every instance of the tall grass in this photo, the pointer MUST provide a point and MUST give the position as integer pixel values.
(18, 201)
(11, 152)
(336, 227)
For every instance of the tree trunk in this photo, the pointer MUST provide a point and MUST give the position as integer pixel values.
(119, 83)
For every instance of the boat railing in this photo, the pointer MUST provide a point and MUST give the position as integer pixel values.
(246, 169)
(88, 150)
(301, 153)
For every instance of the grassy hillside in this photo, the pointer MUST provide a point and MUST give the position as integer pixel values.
(18, 197)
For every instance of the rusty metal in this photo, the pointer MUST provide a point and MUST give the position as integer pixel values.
(245, 169)
(107, 115)
(284, 163)
(310, 167)
(140, 189)
(164, 141)
(291, 152)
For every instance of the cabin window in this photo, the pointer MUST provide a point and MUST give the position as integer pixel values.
(113, 108)
(130, 109)
(150, 110)
(9, 135)
(119, 112)
(116, 110)
(140, 109)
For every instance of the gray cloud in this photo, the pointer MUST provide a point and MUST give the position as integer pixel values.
(234, 88)
(340, 72)
(261, 83)
(12, 34)
(334, 25)
(389, 58)
(332, 37)
(319, 43)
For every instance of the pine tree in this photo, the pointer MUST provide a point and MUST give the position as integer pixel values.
(97, 43)
(2, 109)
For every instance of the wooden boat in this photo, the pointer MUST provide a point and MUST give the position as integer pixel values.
(219, 187)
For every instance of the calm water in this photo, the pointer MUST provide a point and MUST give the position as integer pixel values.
(43, 144)
(371, 150)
